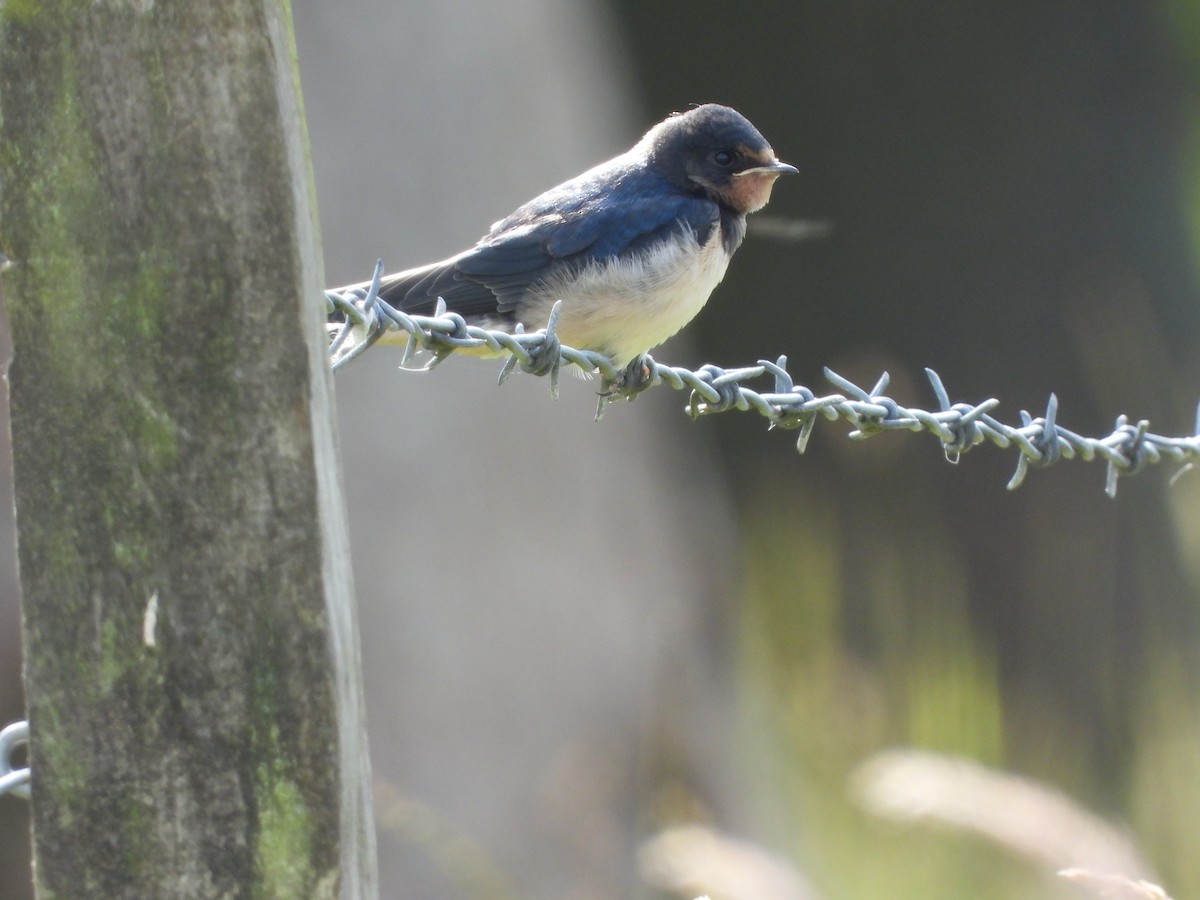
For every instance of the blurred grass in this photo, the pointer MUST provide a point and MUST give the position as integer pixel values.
(1165, 789)
(829, 679)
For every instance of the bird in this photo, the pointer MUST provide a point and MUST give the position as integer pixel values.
(633, 247)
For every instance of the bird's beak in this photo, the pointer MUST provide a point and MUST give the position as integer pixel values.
(772, 168)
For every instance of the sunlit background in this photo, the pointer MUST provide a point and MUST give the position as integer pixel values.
(655, 658)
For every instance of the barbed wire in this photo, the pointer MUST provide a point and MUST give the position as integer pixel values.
(1040, 440)
(13, 780)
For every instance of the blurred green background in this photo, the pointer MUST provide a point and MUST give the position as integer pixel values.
(1012, 190)
(707, 627)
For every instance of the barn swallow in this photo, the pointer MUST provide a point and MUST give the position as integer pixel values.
(633, 247)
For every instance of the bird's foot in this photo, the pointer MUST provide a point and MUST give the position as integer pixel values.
(630, 381)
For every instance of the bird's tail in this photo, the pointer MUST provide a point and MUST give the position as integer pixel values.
(402, 290)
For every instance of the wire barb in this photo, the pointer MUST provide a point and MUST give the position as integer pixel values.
(359, 318)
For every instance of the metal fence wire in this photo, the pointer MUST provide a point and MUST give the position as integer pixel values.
(14, 779)
(358, 318)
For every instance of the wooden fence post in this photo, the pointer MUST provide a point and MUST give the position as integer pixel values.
(194, 696)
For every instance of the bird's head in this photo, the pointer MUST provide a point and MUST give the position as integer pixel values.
(714, 151)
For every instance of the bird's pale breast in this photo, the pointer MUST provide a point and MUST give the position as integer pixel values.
(628, 305)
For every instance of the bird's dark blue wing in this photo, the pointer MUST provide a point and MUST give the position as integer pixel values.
(582, 223)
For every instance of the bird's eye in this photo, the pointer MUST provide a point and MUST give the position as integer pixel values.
(723, 158)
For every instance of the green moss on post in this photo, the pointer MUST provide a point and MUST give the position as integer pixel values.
(191, 651)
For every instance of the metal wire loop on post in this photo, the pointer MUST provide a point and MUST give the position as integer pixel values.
(359, 318)
(13, 780)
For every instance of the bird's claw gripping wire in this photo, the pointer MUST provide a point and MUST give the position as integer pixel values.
(641, 373)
